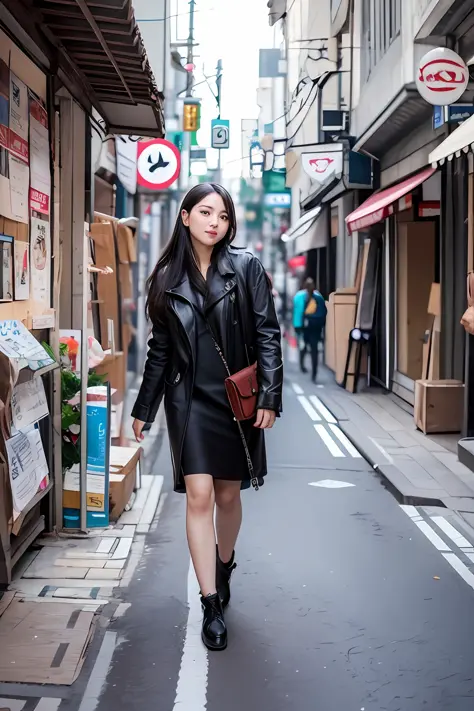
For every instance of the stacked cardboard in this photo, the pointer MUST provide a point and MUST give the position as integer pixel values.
(347, 309)
(439, 404)
(114, 247)
(431, 338)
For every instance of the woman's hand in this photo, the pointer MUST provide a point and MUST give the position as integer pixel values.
(138, 425)
(265, 419)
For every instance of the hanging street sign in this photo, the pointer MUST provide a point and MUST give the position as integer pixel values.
(277, 200)
(220, 133)
(442, 77)
(324, 163)
(158, 164)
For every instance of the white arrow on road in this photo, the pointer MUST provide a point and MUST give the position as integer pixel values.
(331, 484)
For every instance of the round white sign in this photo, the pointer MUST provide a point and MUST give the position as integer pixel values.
(158, 163)
(442, 77)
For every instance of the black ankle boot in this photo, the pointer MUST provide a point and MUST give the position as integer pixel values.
(223, 574)
(214, 631)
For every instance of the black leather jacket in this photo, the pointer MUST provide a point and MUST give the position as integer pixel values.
(243, 319)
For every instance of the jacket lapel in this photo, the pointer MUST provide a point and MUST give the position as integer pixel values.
(182, 300)
(221, 280)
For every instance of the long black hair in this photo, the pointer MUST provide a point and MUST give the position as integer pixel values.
(178, 256)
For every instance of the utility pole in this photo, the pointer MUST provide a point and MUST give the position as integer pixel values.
(190, 57)
(189, 92)
(218, 99)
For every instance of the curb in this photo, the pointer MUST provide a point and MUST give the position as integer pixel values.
(389, 473)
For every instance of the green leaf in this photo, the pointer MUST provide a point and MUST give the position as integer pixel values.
(70, 385)
(69, 416)
(49, 350)
(95, 379)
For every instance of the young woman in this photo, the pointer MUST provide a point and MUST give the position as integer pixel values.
(209, 303)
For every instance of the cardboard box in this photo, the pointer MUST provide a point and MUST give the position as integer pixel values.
(439, 406)
(329, 342)
(345, 309)
(102, 234)
(434, 304)
(124, 463)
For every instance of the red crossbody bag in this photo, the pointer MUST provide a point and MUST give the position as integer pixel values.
(242, 393)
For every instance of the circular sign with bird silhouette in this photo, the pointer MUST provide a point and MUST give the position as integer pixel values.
(158, 164)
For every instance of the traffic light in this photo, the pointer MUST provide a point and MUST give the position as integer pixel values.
(191, 116)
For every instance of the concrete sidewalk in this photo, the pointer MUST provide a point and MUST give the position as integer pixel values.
(419, 469)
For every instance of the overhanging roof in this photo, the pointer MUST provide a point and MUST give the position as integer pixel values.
(101, 40)
(406, 112)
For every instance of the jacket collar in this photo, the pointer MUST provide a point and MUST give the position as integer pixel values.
(224, 264)
(221, 280)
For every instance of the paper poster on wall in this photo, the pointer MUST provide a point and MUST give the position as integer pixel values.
(29, 404)
(6, 268)
(19, 188)
(4, 104)
(40, 180)
(18, 344)
(22, 270)
(18, 138)
(5, 209)
(40, 260)
(27, 465)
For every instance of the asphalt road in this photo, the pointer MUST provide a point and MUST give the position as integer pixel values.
(342, 600)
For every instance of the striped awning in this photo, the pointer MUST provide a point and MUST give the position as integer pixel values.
(458, 142)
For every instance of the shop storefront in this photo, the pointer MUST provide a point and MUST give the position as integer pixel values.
(49, 302)
(29, 244)
(403, 222)
(454, 160)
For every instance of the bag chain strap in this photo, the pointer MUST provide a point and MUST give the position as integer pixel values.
(253, 478)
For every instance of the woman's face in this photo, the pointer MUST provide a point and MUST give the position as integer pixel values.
(208, 221)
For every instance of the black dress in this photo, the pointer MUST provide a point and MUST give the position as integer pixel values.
(212, 444)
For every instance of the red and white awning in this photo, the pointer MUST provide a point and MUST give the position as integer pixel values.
(383, 204)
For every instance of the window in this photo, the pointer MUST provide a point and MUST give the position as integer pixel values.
(381, 24)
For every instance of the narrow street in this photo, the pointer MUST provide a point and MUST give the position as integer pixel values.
(339, 600)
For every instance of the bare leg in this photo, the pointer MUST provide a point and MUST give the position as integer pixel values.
(200, 530)
(228, 516)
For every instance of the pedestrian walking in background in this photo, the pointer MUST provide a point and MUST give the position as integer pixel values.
(213, 315)
(309, 319)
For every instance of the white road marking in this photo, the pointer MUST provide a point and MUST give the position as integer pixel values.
(48, 704)
(12, 704)
(191, 690)
(460, 568)
(454, 561)
(328, 416)
(425, 527)
(432, 536)
(345, 441)
(309, 409)
(451, 532)
(298, 390)
(328, 441)
(410, 511)
(331, 484)
(98, 676)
